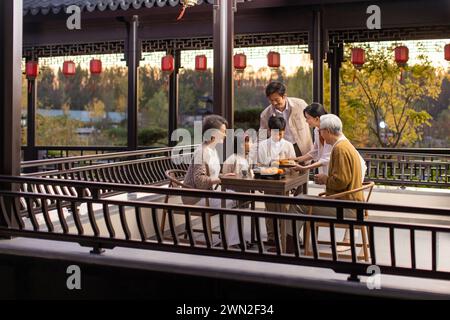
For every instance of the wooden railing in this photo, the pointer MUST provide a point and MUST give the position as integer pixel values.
(22, 212)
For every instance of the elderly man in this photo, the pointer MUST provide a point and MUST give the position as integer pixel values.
(344, 172)
(291, 109)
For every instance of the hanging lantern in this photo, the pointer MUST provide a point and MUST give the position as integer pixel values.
(95, 66)
(401, 55)
(358, 57)
(167, 64)
(447, 52)
(273, 59)
(32, 70)
(240, 61)
(201, 63)
(69, 68)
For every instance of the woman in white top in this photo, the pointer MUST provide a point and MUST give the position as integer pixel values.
(239, 161)
(204, 171)
(321, 150)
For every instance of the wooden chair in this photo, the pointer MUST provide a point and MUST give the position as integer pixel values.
(367, 186)
(176, 177)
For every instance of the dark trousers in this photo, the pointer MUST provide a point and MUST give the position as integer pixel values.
(270, 207)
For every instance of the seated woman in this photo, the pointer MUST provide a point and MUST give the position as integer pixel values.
(239, 160)
(204, 171)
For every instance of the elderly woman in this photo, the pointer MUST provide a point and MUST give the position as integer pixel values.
(204, 171)
(321, 150)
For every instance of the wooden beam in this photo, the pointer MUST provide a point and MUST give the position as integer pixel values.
(10, 90)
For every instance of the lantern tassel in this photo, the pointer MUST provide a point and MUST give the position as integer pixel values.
(180, 16)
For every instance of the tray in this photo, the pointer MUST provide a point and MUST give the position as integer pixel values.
(270, 176)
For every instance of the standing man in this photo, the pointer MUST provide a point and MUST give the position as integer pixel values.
(291, 109)
(297, 130)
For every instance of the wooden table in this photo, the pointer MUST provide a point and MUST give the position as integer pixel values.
(292, 181)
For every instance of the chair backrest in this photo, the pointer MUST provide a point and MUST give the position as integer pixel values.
(174, 177)
(366, 186)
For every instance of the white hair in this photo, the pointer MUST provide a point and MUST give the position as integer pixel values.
(332, 123)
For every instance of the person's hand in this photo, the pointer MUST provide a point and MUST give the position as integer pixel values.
(300, 168)
(320, 178)
(230, 174)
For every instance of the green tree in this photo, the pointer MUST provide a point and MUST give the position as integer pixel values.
(383, 93)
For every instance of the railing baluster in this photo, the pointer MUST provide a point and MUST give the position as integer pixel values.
(31, 214)
(222, 231)
(333, 241)
(76, 218)
(189, 231)
(295, 237)
(392, 246)
(156, 225)
(108, 222)
(173, 230)
(372, 245)
(129, 175)
(412, 238)
(47, 219)
(123, 222)
(258, 235)
(314, 240)
(62, 219)
(118, 174)
(150, 172)
(139, 178)
(140, 223)
(205, 230)
(3, 210)
(92, 219)
(352, 243)
(276, 229)
(241, 233)
(434, 251)
(143, 171)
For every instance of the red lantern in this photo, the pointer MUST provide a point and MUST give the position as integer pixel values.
(358, 57)
(273, 59)
(201, 63)
(447, 52)
(401, 55)
(95, 66)
(32, 70)
(240, 61)
(69, 68)
(167, 63)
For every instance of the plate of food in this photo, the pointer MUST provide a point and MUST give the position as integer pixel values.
(284, 163)
(272, 173)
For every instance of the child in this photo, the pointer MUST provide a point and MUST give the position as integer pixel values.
(238, 162)
(275, 147)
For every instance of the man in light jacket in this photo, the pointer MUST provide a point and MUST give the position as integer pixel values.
(296, 132)
(291, 109)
